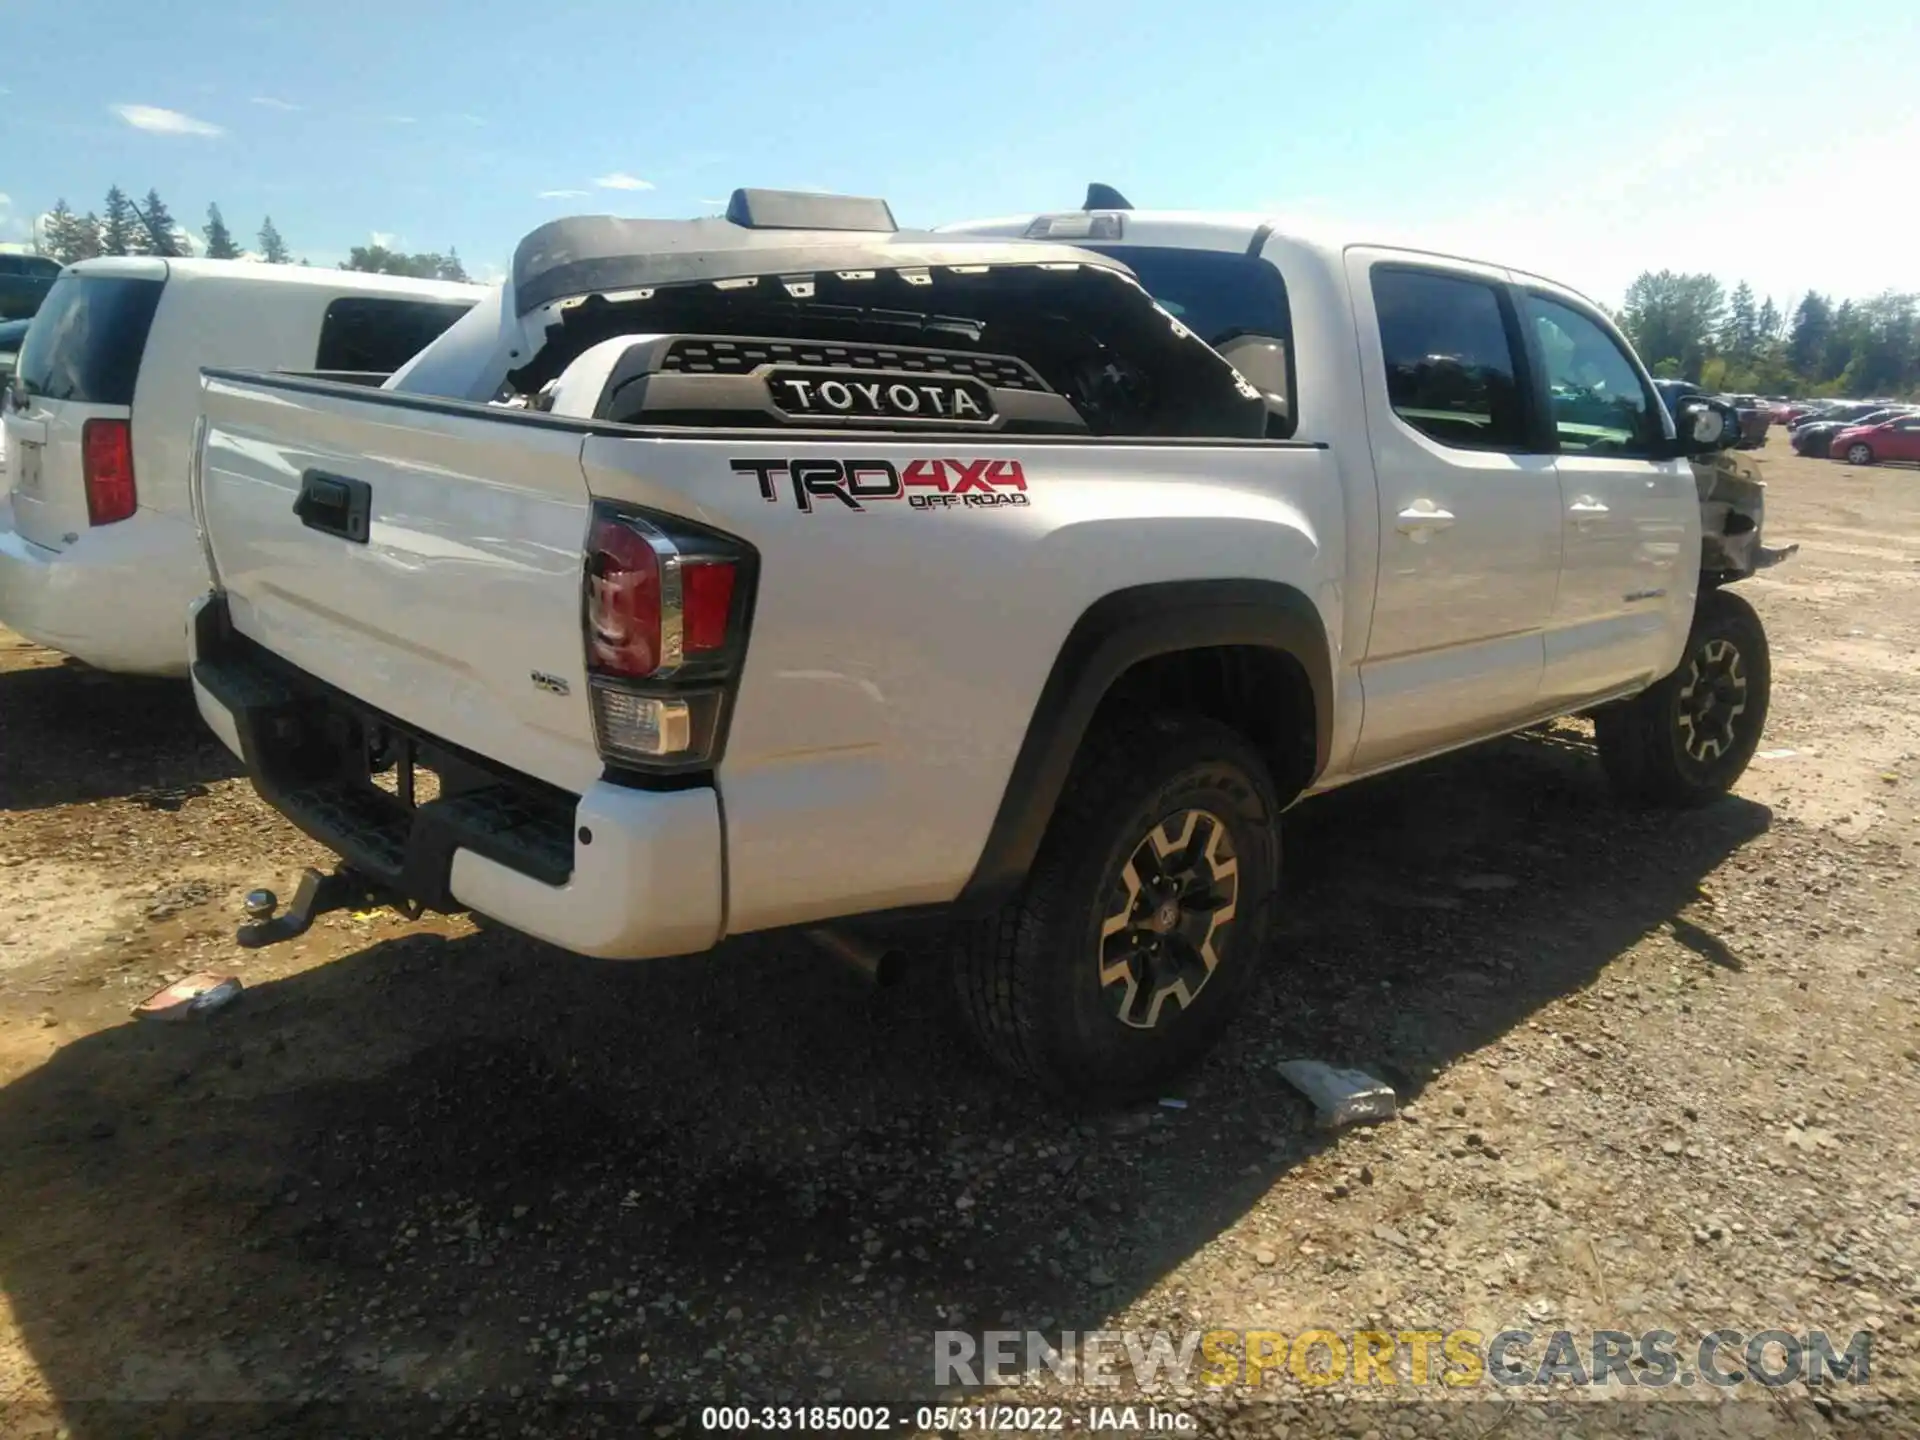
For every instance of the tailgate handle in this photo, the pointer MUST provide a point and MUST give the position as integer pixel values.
(334, 505)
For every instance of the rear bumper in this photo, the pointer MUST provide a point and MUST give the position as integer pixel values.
(116, 598)
(615, 872)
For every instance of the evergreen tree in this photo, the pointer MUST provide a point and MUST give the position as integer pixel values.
(121, 231)
(1807, 341)
(450, 267)
(158, 221)
(87, 237)
(1768, 324)
(272, 248)
(220, 244)
(1840, 342)
(1742, 334)
(64, 234)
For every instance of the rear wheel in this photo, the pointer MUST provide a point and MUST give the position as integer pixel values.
(1140, 927)
(1688, 738)
(1859, 454)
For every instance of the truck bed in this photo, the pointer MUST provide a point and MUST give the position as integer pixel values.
(913, 593)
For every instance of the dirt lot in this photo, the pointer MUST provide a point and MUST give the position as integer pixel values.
(431, 1178)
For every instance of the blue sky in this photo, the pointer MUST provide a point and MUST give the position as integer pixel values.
(1771, 141)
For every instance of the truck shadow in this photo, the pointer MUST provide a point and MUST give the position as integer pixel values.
(438, 1169)
(70, 734)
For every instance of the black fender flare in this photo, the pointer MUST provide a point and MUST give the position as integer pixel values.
(1115, 633)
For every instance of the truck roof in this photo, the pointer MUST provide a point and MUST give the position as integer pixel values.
(1239, 230)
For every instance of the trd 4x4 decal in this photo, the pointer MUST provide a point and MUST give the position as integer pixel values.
(924, 484)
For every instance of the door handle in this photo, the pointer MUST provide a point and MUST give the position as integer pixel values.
(335, 505)
(1420, 519)
(1586, 508)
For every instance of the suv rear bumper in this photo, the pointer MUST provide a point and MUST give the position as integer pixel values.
(616, 872)
(116, 598)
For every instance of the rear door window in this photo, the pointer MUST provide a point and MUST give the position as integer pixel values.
(1452, 367)
(378, 334)
(86, 341)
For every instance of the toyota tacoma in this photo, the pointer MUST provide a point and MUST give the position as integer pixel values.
(791, 570)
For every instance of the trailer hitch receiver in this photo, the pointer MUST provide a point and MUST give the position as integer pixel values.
(344, 889)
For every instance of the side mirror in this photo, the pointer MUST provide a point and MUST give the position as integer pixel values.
(1704, 425)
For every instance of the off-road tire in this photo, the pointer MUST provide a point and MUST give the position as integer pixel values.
(1651, 754)
(1029, 974)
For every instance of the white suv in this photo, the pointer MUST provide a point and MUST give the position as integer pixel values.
(98, 556)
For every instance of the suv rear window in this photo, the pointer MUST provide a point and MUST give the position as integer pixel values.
(85, 344)
(378, 335)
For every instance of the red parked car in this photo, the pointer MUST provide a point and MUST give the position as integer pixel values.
(1896, 439)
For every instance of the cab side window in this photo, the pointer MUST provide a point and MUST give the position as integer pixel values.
(1600, 404)
(1453, 371)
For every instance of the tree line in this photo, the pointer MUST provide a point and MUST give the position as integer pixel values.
(1687, 326)
(125, 226)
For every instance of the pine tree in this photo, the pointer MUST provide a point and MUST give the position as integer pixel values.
(220, 244)
(61, 233)
(1842, 340)
(121, 232)
(158, 221)
(1742, 333)
(272, 248)
(87, 237)
(1807, 341)
(1768, 323)
(450, 268)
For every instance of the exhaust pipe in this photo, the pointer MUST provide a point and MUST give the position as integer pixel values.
(879, 965)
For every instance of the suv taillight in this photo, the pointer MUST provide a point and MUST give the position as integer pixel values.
(667, 605)
(106, 467)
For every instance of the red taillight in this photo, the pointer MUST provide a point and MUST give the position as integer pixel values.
(706, 600)
(649, 607)
(623, 600)
(665, 618)
(106, 467)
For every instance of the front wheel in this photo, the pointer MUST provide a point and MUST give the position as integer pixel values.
(1143, 920)
(1859, 454)
(1685, 740)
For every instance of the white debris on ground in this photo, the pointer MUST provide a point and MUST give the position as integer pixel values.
(1341, 1097)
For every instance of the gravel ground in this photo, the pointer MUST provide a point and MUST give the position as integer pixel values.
(433, 1178)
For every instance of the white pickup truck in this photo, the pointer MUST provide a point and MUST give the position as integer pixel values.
(789, 570)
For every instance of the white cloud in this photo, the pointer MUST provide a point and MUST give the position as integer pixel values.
(5, 200)
(273, 104)
(620, 180)
(400, 120)
(164, 122)
(709, 200)
(383, 238)
(563, 194)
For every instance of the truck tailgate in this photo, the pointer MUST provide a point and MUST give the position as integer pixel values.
(432, 568)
